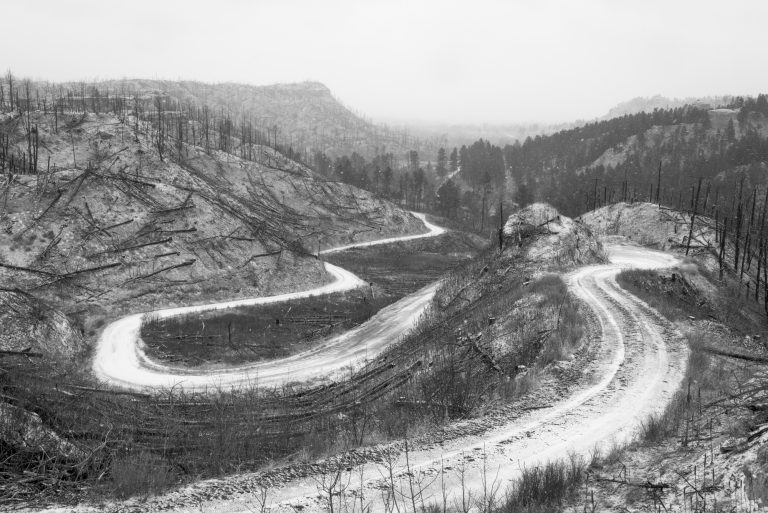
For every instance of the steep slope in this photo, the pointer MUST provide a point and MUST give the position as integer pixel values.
(110, 225)
(103, 212)
(30, 328)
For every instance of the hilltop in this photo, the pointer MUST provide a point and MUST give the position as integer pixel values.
(539, 233)
(303, 116)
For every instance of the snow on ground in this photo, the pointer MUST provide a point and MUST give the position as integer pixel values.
(120, 359)
(634, 365)
(647, 224)
(557, 237)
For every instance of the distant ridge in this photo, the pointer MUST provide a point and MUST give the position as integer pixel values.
(306, 115)
(648, 104)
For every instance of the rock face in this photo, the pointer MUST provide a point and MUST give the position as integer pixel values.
(32, 333)
(539, 233)
(29, 326)
(26, 432)
(649, 225)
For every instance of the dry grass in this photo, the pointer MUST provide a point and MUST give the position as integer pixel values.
(280, 329)
(140, 444)
(675, 295)
(545, 488)
(258, 332)
(707, 377)
(674, 298)
(443, 370)
(140, 473)
(683, 407)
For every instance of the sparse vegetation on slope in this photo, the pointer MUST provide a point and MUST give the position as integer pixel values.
(455, 364)
(30, 326)
(293, 116)
(112, 203)
(703, 452)
(257, 333)
(112, 224)
(733, 248)
(277, 330)
(539, 233)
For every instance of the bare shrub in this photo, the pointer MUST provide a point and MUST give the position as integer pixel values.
(140, 473)
(545, 487)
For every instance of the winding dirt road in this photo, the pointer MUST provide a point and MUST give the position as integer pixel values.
(631, 367)
(120, 359)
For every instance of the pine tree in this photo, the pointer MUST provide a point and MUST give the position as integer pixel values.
(441, 162)
(413, 160)
(448, 199)
(386, 180)
(454, 159)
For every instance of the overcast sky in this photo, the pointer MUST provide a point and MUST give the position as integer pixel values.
(473, 61)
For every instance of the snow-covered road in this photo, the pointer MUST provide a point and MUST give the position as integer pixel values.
(120, 359)
(630, 369)
(634, 365)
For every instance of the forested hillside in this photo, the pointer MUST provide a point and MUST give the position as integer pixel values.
(641, 155)
(657, 155)
(460, 183)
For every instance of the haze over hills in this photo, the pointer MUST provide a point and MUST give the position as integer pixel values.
(304, 116)
(648, 104)
(436, 256)
(307, 117)
(457, 134)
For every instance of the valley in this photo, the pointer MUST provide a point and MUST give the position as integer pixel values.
(200, 315)
(617, 373)
(392, 271)
(120, 360)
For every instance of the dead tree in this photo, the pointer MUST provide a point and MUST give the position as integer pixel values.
(693, 218)
(737, 227)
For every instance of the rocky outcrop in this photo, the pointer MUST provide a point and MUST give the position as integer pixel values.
(540, 233)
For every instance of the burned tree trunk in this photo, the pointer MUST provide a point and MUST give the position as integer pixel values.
(693, 218)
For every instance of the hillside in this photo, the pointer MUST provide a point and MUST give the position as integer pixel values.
(110, 224)
(304, 116)
(630, 157)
